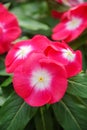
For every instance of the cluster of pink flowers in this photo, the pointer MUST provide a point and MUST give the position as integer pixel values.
(41, 67)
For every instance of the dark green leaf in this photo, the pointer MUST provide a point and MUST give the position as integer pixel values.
(2, 98)
(2, 66)
(71, 113)
(79, 41)
(15, 114)
(78, 85)
(43, 119)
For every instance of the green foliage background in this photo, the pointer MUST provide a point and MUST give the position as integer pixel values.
(71, 112)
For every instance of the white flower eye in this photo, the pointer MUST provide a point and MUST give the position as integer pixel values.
(41, 79)
(23, 52)
(68, 55)
(74, 23)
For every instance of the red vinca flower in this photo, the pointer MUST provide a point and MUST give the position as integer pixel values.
(9, 29)
(72, 60)
(72, 24)
(40, 80)
(21, 50)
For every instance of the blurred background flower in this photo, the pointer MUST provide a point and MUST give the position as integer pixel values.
(70, 3)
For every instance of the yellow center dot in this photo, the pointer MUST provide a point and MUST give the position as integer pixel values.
(41, 79)
(69, 53)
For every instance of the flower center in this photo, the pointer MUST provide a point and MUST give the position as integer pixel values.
(23, 52)
(68, 55)
(74, 23)
(40, 79)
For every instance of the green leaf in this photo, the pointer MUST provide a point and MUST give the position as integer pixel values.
(35, 10)
(71, 113)
(81, 40)
(31, 24)
(43, 119)
(30, 17)
(2, 66)
(84, 57)
(7, 5)
(78, 108)
(15, 114)
(2, 98)
(6, 82)
(3, 73)
(20, 39)
(78, 85)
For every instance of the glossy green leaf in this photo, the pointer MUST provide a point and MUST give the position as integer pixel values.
(15, 114)
(78, 85)
(71, 113)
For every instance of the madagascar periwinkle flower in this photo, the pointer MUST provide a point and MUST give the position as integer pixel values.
(72, 60)
(73, 22)
(40, 69)
(21, 50)
(9, 29)
(40, 80)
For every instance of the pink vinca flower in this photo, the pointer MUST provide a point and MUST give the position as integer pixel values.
(72, 24)
(20, 51)
(40, 80)
(70, 2)
(9, 29)
(72, 60)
